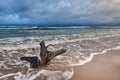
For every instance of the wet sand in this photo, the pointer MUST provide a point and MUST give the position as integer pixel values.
(102, 67)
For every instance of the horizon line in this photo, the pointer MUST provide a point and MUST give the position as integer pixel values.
(58, 25)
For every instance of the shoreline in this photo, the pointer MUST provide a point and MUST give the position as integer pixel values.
(102, 67)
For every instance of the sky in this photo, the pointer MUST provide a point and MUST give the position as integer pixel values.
(59, 12)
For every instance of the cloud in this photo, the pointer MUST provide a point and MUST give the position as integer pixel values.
(59, 11)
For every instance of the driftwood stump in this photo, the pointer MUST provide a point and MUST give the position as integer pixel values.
(44, 57)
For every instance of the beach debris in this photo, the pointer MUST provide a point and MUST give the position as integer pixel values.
(44, 57)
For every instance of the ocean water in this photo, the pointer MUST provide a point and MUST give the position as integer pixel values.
(81, 43)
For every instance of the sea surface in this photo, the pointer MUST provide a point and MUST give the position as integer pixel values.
(81, 43)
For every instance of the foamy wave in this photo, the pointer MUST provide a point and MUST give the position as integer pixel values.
(33, 41)
(51, 75)
(89, 58)
(12, 61)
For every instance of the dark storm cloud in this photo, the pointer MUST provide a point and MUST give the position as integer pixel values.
(59, 11)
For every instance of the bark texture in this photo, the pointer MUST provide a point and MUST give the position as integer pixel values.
(45, 55)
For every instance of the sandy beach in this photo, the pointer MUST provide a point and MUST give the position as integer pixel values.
(102, 67)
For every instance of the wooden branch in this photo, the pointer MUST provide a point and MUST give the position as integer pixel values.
(43, 49)
(44, 57)
(53, 54)
(34, 63)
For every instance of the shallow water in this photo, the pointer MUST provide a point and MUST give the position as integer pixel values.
(81, 45)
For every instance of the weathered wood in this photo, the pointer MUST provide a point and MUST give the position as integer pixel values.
(45, 55)
(34, 62)
(53, 54)
(43, 49)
